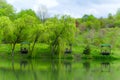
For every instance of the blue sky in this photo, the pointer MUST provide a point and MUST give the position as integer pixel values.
(75, 8)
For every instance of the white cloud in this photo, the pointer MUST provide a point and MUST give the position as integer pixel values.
(33, 4)
(11, 1)
(75, 8)
(21, 4)
(48, 3)
(105, 9)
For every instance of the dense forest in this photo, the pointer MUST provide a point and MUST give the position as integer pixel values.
(51, 36)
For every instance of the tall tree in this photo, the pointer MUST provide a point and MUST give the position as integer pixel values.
(91, 22)
(63, 34)
(22, 29)
(42, 13)
(37, 31)
(6, 27)
(7, 10)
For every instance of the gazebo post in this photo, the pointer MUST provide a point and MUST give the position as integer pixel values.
(20, 46)
(29, 47)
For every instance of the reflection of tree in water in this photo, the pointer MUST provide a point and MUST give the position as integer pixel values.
(86, 65)
(60, 68)
(33, 71)
(105, 66)
(13, 69)
(54, 66)
(54, 69)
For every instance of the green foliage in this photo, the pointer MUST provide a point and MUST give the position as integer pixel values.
(6, 29)
(62, 33)
(57, 32)
(7, 10)
(26, 12)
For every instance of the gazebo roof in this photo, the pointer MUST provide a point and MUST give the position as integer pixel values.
(25, 42)
(105, 45)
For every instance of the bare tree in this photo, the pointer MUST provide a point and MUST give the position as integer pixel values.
(42, 13)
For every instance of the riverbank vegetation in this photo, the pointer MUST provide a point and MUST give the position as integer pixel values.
(53, 36)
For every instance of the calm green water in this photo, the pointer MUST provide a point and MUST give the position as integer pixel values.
(59, 70)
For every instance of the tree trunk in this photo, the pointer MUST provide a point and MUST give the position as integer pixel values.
(34, 44)
(33, 47)
(55, 41)
(53, 50)
(13, 48)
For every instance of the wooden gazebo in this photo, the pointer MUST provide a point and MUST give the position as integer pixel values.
(69, 50)
(105, 49)
(25, 47)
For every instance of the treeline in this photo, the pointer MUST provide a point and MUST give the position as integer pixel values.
(57, 32)
(90, 22)
(94, 31)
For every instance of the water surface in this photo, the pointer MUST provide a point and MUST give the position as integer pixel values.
(11, 69)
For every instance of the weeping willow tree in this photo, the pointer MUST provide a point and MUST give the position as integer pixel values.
(21, 30)
(6, 30)
(7, 10)
(37, 31)
(63, 34)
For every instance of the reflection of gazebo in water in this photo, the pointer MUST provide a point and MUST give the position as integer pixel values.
(86, 65)
(68, 65)
(25, 47)
(105, 67)
(23, 63)
(69, 50)
(105, 49)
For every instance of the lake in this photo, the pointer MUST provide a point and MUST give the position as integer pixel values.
(42, 69)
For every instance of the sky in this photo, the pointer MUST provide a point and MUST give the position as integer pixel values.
(74, 8)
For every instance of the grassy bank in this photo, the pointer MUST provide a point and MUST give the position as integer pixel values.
(111, 36)
(43, 51)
